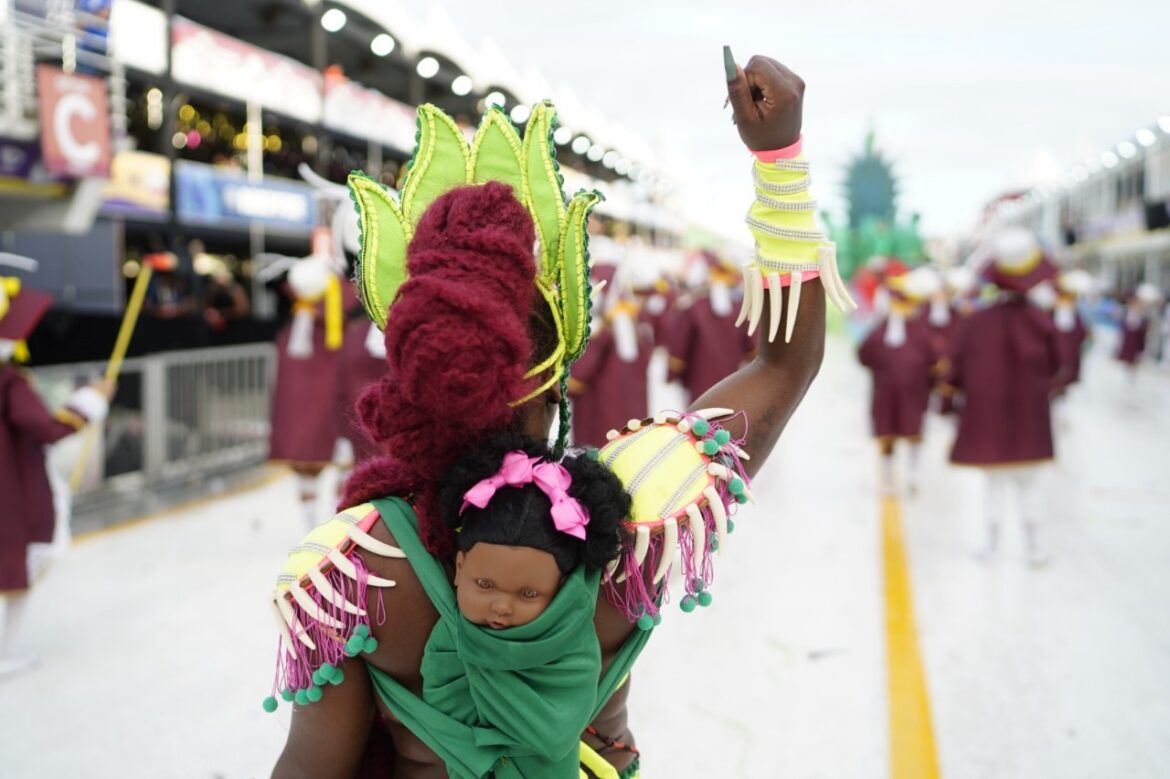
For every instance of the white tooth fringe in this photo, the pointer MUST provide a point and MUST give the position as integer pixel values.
(294, 624)
(346, 566)
(834, 286)
(609, 569)
(312, 608)
(683, 426)
(712, 413)
(775, 292)
(749, 494)
(333, 596)
(756, 284)
(741, 453)
(371, 544)
(746, 308)
(720, 514)
(661, 417)
(289, 644)
(719, 471)
(698, 538)
(669, 547)
(793, 304)
(641, 544)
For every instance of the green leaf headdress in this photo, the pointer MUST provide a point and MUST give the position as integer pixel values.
(443, 161)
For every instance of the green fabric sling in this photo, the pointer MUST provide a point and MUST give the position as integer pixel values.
(508, 703)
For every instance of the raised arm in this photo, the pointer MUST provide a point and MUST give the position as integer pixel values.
(792, 261)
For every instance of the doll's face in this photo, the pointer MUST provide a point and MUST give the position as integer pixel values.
(501, 586)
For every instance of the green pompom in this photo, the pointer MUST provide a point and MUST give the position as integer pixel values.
(353, 647)
(645, 622)
(318, 677)
(705, 598)
(337, 677)
(658, 619)
(741, 498)
(593, 454)
(314, 693)
(301, 698)
(697, 584)
(362, 630)
(269, 704)
(687, 604)
(722, 437)
(370, 645)
(736, 486)
(287, 694)
(730, 526)
(700, 427)
(327, 669)
(710, 447)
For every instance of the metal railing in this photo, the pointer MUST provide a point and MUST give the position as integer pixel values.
(176, 417)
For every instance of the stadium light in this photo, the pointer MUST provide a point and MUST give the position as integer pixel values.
(520, 113)
(427, 67)
(333, 19)
(1164, 123)
(595, 153)
(1126, 150)
(610, 159)
(580, 144)
(622, 167)
(562, 136)
(382, 44)
(495, 98)
(461, 85)
(1146, 137)
(1109, 159)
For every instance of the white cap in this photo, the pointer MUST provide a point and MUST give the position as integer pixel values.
(1148, 293)
(1014, 249)
(1075, 282)
(960, 279)
(309, 278)
(922, 283)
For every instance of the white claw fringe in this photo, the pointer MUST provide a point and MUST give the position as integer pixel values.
(712, 413)
(834, 286)
(741, 454)
(746, 308)
(793, 304)
(294, 624)
(609, 569)
(289, 644)
(333, 596)
(641, 544)
(346, 566)
(698, 538)
(371, 544)
(720, 514)
(775, 294)
(669, 547)
(719, 471)
(312, 608)
(756, 285)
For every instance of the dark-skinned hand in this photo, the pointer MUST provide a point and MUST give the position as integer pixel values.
(766, 98)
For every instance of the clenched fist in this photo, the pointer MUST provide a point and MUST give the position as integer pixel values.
(766, 98)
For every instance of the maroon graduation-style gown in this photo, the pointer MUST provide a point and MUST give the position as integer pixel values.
(357, 369)
(902, 378)
(26, 499)
(606, 390)
(705, 347)
(1005, 362)
(303, 421)
(1071, 343)
(1133, 339)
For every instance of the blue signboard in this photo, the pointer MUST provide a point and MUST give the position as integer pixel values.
(219, 197)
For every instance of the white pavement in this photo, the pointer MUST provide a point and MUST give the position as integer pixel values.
(157, 646)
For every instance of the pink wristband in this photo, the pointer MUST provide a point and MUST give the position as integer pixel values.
(787, 153)
(786, 280)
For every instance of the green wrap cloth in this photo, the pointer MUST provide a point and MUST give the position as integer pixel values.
(508, 703)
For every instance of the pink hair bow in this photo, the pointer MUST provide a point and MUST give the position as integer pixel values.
(568, 514)
(516, 471)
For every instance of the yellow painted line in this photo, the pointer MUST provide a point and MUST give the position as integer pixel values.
(273, 474)
(912, 749)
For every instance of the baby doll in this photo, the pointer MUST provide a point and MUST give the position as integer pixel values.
(525, 521)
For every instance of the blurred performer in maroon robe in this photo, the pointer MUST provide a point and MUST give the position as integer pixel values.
(303, 431)
(702, 341)
(901, 354)
(27, 513)
(362, 361)
(961, 290)
(1135, 324)
(1005, 363)
(611, 377)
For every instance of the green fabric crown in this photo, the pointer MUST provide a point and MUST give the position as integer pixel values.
(443, 161)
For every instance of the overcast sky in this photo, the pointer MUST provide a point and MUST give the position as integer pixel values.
(969, 99)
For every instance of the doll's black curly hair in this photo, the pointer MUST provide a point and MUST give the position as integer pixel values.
(520, 516)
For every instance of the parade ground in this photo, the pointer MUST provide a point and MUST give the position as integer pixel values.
(851, 635)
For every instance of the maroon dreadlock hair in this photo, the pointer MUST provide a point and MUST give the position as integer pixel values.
(457, 347)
